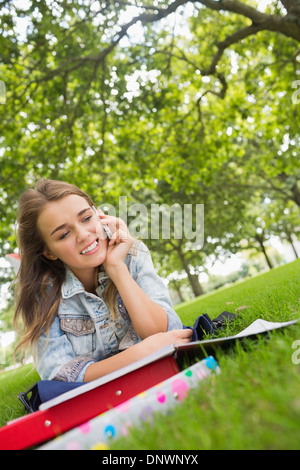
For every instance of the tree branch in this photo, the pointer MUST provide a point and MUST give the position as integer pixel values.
(260, 22)
(144, 18)
(229, 41)
(235, 6)
(289, 25)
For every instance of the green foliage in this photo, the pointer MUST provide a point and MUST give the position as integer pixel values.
(171, 102)
(11, 384)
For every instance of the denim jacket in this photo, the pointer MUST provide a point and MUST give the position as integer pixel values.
(84, 331)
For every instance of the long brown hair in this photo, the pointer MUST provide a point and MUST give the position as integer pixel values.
(39, 279)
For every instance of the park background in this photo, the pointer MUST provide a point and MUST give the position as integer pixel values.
(178, 102)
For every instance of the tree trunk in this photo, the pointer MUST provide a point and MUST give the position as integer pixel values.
(289, 237)
(260, 240)
(177, 288)
(196, 286)
(193, 278)
(296, 194)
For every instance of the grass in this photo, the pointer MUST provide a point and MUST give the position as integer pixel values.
(11, 384)
(253, 404)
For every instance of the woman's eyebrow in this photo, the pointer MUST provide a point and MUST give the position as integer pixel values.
(83, 211)
(60, 227)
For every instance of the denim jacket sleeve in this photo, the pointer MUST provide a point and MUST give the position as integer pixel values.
(144, 274)
(55, 359)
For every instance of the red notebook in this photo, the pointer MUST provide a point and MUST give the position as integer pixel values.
(88, 401)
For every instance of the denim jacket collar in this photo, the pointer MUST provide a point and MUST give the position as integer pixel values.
(72, 285)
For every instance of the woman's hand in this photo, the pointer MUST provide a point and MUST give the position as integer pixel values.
(120, 242)
(159, 340)
(138, 351)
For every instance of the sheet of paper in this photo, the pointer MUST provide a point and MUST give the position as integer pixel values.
(260, 326)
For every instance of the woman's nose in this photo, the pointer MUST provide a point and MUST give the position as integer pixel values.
(81, 234)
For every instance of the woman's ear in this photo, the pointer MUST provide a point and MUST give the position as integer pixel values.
(49, 255)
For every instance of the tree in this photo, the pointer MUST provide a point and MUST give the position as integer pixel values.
(264, 219)
(90, 101)
(185, 240)
(285, 223)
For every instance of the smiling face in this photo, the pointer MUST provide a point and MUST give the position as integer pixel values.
(69, 229)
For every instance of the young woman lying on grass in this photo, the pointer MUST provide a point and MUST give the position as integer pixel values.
(89, 304)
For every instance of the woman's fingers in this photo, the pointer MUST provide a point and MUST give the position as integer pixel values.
(117, 237)
(181, 336)
(160, 340)
(117, 227)
(117, 221)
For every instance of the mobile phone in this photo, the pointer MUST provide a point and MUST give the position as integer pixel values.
(105, 227)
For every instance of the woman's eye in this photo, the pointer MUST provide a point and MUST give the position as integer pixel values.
(64, 235)
(86, 219)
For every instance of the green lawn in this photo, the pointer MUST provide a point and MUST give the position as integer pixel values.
(11, 384)
(253, 404)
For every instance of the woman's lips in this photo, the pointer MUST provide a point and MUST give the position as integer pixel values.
(90, 248)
